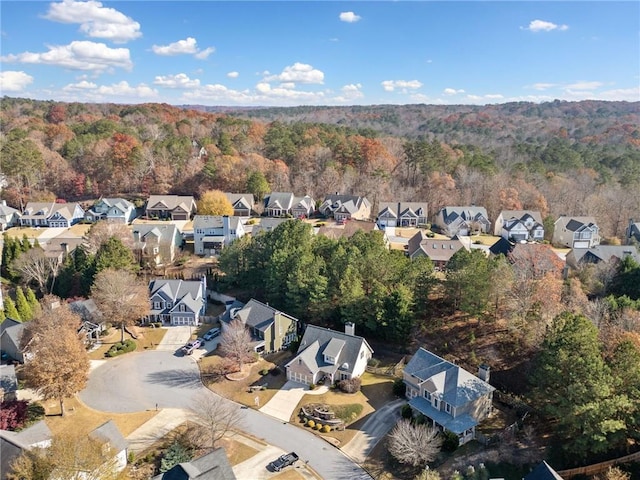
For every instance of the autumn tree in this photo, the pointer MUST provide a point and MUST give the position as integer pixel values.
(100, 232)
(235, 343)
(57, 366)
(214, 202)
(121, 297)
(214, 417)
(34, 266)
(414, 444)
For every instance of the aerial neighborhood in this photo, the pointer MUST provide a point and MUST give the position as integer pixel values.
(258, 321)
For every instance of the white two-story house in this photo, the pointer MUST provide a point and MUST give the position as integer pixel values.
(449, 396)
(116, 210)
(211, 233)
(402, 214)
(518, 225)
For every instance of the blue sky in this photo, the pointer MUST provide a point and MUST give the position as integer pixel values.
(320, 53)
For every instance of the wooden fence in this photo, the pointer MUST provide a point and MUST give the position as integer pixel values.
(598, 467)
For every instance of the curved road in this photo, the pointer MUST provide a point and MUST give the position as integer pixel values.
(139, 381)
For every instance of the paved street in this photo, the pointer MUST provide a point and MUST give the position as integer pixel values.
(137, 381)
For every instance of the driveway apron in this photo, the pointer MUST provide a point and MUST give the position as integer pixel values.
(284, 402)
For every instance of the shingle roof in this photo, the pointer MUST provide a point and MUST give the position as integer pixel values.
(450, 214)
(258, 315)
(268, 224)
(172, 201)
(603, 253)
(282, 200)
(574, 223)
(188, 292)
(214, 221)
(109, 433)
(543, 472)
(457, 386)
(521, 215)
(13, 329)
(318, 341)
(212, 466)
(167, 232)
(398, 208)
(244, 199)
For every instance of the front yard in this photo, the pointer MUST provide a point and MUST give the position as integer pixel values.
(147, 339)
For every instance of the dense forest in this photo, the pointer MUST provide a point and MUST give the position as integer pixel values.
(558, 157)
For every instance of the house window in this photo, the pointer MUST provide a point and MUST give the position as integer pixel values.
(427, 395)
(156, 305)
(436, 404)
(362, 354)
(169, 304)
(182, 308)
(447, 408)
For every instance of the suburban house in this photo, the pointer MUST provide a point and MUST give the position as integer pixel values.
(576, 232)
(345, 207)
(632, 233)
(114, 445)
(242, 204)
(10, 337)
(271, 329)
(212, 233)
(51, 214)
(329, 355)
(9, 216)
(92, 322)
(156, 243)
(172, 207)
(452, 398)
(601, 253)
(402, 214)
(437, 250)
(350, 228)
(177, 302)
(8, 382)
(61, 246)
(268, 225)
(12, 444)
(519, 225)
(303, 207)
(117, 210)
(543, 471)
(280, 204)
(212, 466)
(464, 221)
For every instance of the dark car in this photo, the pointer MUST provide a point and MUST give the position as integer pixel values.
(211, 334)
(283, 461)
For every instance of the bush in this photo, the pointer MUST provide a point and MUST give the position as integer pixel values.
(318, 426)
(373, 362)
(35, 412)
(312, 386)
(311, 424)
(264, 371)
(406, 411)
(399, 388)
(13, 414)
(450, 442)
(121, 347)
(350, 385)
(326, 429)
(175, 454)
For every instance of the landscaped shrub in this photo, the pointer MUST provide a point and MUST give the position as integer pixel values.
(13, 414)
(311, 424)
(399, 388)
(450, 442)
(350, 385)
(121, 347)
(175, 454)
(406, 411)
(264, 371)
(326, 429)
(373, 362)
(312, 386)
(35, 412)
(318, 426)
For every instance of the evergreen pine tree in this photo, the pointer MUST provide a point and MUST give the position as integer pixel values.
(22, 305)
(25, 245)
(33, 303)
(36, 243)
(2, 316)
(10, 309)
(7, 258)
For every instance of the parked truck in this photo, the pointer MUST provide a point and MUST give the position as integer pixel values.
(283, 461)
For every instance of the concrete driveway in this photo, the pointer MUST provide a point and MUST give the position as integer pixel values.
(284, 402)
(175, 338)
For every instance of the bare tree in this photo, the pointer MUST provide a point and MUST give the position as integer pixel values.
(102, 231)
(414, 444)
(57, 365)
(34, 266)
(214, 418)
(235, 343)
(121, 297)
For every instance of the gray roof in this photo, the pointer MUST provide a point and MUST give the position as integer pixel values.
(47, 209)
(8, 379)
(7, 210)
(268, 224)
(543, 472)
(400, 208)
(215, 221)
(13, 443)
(521, 215)
(602, 253)
(574, 223)
(319, 341)
(230, 311)
(258, 315)
(457, 386)
(167, 232)
(244, 200)
(188, 292)
(282, 200)
(450, 214)
(13, 330)
(212, 466)
(121, 203)
(172, 201)
(109, 433)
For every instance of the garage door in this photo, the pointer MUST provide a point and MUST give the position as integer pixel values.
(299, 377)
(180, 216)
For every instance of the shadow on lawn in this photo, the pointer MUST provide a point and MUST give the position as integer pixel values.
(176, 378)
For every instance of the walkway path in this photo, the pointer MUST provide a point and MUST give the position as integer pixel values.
(156, 428)
(374, 429)
(284, 402)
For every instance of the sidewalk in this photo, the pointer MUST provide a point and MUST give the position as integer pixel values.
(153, 430)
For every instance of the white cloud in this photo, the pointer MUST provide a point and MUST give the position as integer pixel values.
(452, 91)
(288, 85)
(297, 73)
(233, 74)
(204, 54)
(544, 26)
(493, 96)
(403, 85)
(188, 46)
(78, 55)
(91, 91)
(14, 81)
(181, 80)
(264, 94)
(95, 20)
(349, 93)
(349, 17)
(543, 86)
(584, 86)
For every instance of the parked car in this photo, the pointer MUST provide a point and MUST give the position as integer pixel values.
(211, 334)
(283, 461)
(192, 345)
